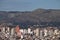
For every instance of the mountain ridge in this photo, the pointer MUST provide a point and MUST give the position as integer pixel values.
(35, 16)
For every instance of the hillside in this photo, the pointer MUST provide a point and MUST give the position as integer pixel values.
(30, 17)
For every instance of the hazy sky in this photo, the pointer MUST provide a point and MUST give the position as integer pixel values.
(24, 5)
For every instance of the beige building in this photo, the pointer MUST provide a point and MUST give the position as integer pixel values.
(45, 32)
(37, 31)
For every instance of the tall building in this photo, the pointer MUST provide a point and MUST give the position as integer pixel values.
(29, 30)
(12, 31)
(17, 30)
(3, 30)
(45, 32)
(41, 34)
(37, 31)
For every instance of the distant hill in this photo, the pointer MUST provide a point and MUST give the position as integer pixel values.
(30, 17)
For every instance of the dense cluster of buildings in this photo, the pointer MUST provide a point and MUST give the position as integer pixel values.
(31, 33)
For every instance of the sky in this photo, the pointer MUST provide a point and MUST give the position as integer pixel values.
(28, 5)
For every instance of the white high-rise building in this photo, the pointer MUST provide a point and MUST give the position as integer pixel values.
(8, 29)
(3, 29)
(12, 31)
(41, 34)
(29, 30)
(45, 32)
(25, 31)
